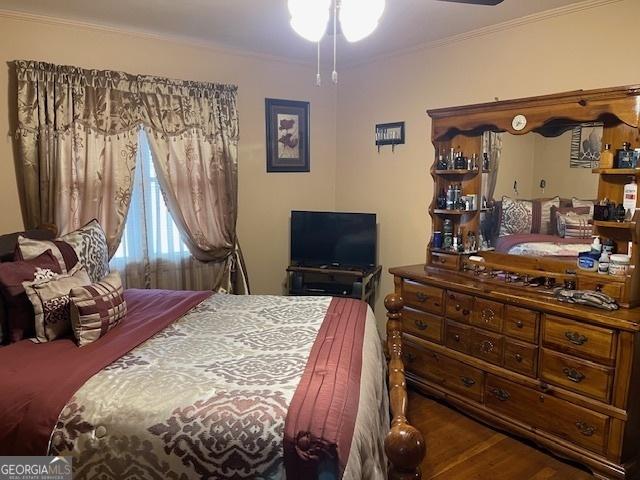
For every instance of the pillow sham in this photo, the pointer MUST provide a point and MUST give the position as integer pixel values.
(555, 211)
(541, 221)
(97, 308)
(517, 216)
(87, 245)
(576, 202)
(19, 319)
(50, 300)
(575, 225)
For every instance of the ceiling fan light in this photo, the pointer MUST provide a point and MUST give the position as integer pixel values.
(309, 18)
(359, 18)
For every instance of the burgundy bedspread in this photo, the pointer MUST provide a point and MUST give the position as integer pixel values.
(30, 374)
(321, 419)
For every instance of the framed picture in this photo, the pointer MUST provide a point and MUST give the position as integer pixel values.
(586, 145)
(287, 135)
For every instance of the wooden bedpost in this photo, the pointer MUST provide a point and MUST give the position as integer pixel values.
(404, 445)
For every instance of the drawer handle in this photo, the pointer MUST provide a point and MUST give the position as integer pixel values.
(576, 338)
(518, 358)
(599, 287)
(421, 297)
(586, 429)
(409, 357)
(519, 324)
(500, 394)
(486, 346)
(573, 374)
(458, 307)
(456, 337)
(487, 315)
(467, 382)
(443, 260)
(421, 325)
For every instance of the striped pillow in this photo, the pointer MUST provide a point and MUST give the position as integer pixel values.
(574, 225)
(97, 308)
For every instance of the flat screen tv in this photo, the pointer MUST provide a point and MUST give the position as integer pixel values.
(346, 240)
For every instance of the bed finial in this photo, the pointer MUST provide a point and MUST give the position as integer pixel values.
(405, 446)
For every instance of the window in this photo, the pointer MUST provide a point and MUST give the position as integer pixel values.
(149, 230)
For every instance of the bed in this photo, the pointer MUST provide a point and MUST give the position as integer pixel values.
(202, 385)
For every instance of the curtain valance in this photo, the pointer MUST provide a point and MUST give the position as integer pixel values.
(111, 102)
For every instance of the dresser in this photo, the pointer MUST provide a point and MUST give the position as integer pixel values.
(563, 376)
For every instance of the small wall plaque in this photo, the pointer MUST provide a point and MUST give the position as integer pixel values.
(390, 134)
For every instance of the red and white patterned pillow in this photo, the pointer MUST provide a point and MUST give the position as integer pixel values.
(97, 308)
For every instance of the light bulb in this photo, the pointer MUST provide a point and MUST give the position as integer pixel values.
(359, 18)
(309, 18)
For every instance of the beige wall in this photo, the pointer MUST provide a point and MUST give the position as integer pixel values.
(552, 55)
(265, 200)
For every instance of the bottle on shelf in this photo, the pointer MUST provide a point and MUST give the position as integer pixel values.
(442, 161)
(451, 200)
(451, 161)
(441, 202)
(460, 241)
(460, 162)
(447, 234)
(606, 157)
(625, 157)
(630, 199)
(472, 162)
(485, 162)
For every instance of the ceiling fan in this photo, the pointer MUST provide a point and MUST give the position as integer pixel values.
(491, 3)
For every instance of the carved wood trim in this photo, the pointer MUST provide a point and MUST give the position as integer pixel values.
(404, 445)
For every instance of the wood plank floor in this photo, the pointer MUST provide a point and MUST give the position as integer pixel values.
(460, 448)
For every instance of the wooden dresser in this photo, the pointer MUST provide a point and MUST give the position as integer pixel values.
(566, 377)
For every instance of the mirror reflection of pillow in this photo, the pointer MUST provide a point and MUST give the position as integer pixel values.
(575, 225)
(576, 202)
(517, 216)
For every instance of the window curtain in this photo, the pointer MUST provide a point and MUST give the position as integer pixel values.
(77, 139)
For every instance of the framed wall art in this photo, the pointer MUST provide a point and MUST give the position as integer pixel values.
(287, 135)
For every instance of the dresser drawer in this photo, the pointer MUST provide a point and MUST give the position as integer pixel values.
(458, 336)
(444, 371)
(613, 289)
(544, 412)
(487, 314)
(520, 357)
(459, 306)
(444, 260)
(421, 324)
(575, 374)
(423, 297)
(579, 339)
(521, 323)
(487, 346)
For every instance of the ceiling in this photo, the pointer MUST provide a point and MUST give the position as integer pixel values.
(262, 26)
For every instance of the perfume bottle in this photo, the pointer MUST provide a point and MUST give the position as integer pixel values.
(606, 157)
(450, 198)
(442, 161)
(460, 162)
(625, 156)
(452, 159)
(447, 238)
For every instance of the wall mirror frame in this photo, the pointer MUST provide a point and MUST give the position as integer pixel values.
(475, 130)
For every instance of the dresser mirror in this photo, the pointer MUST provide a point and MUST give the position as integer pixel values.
(539, 190)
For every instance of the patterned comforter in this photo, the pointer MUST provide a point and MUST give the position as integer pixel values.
(207, 397)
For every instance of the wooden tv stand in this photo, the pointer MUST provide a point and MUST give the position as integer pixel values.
(335, 282)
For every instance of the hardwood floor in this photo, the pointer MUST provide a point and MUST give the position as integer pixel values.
(459, 448)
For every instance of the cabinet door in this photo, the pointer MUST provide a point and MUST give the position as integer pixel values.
(521, 357)
(487, 314)
(521, 323)
(458, 336)
(459, 306)
(487, 346)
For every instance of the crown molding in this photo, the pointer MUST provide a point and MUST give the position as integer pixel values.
(488, 30)
(150, 35)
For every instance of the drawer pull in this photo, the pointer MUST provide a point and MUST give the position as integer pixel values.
(465, 311)
(421, 297)
(519, 324)
(585, 429)
(458, 307)
(487, 315)
(518, 358)
(599, 287)
(421, 325)
(456, 337)
(467, 382)
(443, 260)
(576, 338)
(573, 374)
(500, 394)
(486, 346)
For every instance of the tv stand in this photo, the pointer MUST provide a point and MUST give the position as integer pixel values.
(334, 281)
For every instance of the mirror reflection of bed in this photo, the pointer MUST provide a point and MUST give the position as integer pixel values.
(540, 192)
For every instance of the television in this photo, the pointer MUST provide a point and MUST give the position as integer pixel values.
(332, 239)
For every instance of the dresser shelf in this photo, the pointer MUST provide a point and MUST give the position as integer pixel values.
(441, 211)
(617, 171)
(456, 172)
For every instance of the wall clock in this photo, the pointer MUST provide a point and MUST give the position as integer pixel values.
(519, 122)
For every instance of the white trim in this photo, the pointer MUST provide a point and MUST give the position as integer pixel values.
(488, 30)
(221, 48)
(149, 35)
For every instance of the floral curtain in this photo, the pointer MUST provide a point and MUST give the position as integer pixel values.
(77, 139)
